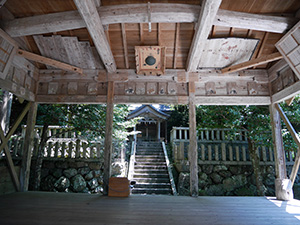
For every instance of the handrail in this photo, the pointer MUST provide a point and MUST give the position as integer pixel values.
(169, 169)
(132, 161)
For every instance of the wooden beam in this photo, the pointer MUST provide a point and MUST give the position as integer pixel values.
(193, 149)
(286, 93)
(209, 9)
(28, 147)
(137, 13)
(125, 45)
(2, 2)
(282, 189)
(14, 127)
(48, 61)
(90, 15)
(295, 137)
(10, 162)
(176, 45)
(252, 63)
(289, 101)
(108, 136)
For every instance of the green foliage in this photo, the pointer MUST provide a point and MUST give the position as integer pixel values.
(88, 121)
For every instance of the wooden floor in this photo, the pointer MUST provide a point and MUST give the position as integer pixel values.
(63, 208)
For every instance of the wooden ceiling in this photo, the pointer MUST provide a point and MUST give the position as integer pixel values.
(177, 37)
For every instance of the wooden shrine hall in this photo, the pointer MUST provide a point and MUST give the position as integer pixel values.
(151, 124)
(196, 52)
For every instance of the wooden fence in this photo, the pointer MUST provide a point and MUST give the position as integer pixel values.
(215, 147)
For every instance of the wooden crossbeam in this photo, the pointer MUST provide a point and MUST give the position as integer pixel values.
(48, 61)
(124, 39)
(14, 127)
(161, 13)
(90, 15)
(252, 63)
(209, 9)
(10, 163)
(295, 137)
(4, 141)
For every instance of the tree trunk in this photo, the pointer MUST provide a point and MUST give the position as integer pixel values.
(39, 159)
(5, 110)
(256, 168)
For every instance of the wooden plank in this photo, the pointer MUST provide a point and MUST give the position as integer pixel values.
(252, 63)
(125, 45)
(136, 13)
(48, 61)
(108, 136)
(88, 12)
(207, 15)
(193, 149)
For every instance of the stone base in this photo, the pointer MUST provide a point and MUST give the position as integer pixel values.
(283, 189)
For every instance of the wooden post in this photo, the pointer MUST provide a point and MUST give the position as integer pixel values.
(158, 130)
(28, 145)
(193, 150)
(108, 136)
(282, 184)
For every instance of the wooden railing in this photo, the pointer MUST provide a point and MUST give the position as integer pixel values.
(65, 145)
(220, 146)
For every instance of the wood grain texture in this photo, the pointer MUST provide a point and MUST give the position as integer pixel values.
(70, 208)
(89, 13)
(207, 15)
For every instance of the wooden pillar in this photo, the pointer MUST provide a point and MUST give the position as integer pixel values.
(193, 153)
(108, 136)
(282, 184)
(147, 131)
(166, 131)
(28, 147)
(158, 130)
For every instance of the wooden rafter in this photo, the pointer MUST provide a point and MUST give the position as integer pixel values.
(207, 15)
(125, 45)
(295, 137)
(141, 34)
(90, 15)
(51, 62)
(161, 13)
(252, 63)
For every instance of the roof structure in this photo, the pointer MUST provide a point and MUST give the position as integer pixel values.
(67, 51)
(148, 112)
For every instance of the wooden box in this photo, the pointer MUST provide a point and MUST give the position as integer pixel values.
(118, 187)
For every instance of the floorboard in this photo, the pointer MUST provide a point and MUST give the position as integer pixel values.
(67, 208)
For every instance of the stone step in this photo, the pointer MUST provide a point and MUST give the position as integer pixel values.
(151, 180)
(148, 150)
(149, 157)
(150, 163)
(150, 171)
(151, 191)
(150, 166)
(152, 185)
(152, 175)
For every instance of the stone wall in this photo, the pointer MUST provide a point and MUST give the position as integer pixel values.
(75, 175)
(230, 180)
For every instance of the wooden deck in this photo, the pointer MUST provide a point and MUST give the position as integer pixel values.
(65, 208)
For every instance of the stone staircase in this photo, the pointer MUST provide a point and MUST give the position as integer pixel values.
(150, 170)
